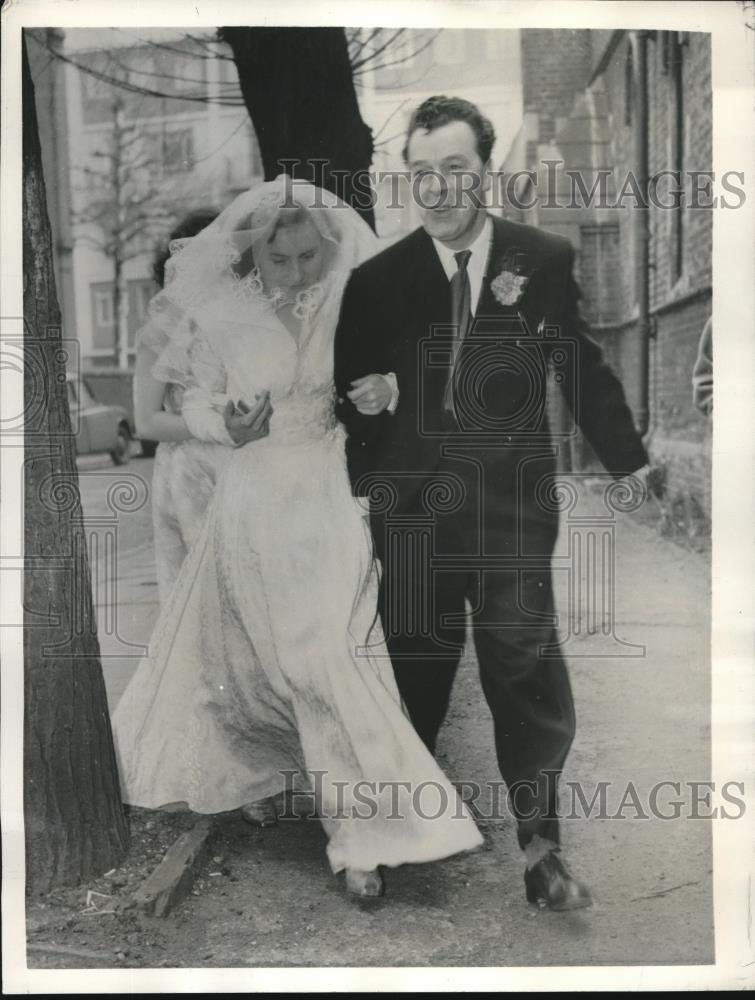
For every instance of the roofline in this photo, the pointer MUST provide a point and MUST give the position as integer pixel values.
(608, 52)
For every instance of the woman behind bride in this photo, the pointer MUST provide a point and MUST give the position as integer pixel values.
(268, 658)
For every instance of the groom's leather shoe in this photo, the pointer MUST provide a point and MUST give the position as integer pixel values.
(549, 883)
(260, 813)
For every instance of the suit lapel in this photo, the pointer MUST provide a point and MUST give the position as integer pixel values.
(431, 288)
(429, 292)
(490, 311)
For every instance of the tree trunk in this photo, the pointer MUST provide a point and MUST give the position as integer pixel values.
(120, 314)
(116, 164)
(298, 87)
(75, 824)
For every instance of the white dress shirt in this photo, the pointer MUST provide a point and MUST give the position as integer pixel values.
(478, 262)
(476, 266)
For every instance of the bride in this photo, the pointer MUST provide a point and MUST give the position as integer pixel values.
(268, 659)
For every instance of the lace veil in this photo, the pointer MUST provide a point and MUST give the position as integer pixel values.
(218, 265)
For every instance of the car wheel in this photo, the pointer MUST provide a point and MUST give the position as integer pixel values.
(148, 448)
(122, 451)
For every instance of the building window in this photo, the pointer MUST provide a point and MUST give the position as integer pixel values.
(169, 151)
(178, 151)
(152, 147)
(97, 95)
(104, 307)
(103, 315)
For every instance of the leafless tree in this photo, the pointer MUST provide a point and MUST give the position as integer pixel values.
(74, 821)
(307, 119)
(370, 50)
(124, 208)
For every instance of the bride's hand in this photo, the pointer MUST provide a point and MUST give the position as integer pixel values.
(245, 423)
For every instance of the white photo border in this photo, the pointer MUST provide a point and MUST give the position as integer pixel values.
(733, 531)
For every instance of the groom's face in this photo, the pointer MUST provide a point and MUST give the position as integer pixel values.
(448, 181)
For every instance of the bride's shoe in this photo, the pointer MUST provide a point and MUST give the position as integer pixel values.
(260, 813)
(364, 883)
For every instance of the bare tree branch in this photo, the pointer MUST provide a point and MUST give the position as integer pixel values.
(357, 42)
(179, 51)
(360, 69)
(387, 121)
(361, 62)
(206, 43)
(121, 84)
(167, 76)
(378, 51)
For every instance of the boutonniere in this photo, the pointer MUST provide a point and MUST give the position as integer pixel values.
(512, 278)
(508, 287)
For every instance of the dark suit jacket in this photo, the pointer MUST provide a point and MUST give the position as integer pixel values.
(395, 316)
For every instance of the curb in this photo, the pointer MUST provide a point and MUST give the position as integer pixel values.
(173, 878)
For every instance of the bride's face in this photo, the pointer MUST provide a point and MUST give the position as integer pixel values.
(293, 259)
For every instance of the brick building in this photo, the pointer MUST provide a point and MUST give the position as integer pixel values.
(599, 104)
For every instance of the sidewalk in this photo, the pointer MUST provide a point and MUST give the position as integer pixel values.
(137, 608)
(642, 719)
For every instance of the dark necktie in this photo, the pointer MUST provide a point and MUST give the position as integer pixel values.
(461, 318)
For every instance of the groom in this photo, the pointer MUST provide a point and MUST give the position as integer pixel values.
(445, 344)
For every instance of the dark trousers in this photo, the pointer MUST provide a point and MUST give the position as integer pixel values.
(523, 674)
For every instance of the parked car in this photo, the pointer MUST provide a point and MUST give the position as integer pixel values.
(148, 447)
(101, 427)
(116, 384)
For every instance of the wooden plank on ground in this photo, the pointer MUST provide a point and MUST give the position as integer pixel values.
(173, 878)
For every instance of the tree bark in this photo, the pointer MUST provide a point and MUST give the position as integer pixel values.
(298, 87)
(120, 347)
(120, 314)
(74, 819)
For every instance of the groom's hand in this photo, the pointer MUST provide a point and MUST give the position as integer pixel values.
(245, 423)
(641, 484)
(371, 394)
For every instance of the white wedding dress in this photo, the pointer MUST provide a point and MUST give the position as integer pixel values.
(184, 474)
(268, 657)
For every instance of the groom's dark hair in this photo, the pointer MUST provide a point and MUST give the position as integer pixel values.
(440, 110)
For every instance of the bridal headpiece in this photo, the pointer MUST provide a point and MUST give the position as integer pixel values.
(220, 258)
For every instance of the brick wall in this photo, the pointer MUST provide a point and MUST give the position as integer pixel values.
(555, 65)
(673, 353)
(696, 224)
(681, 436)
